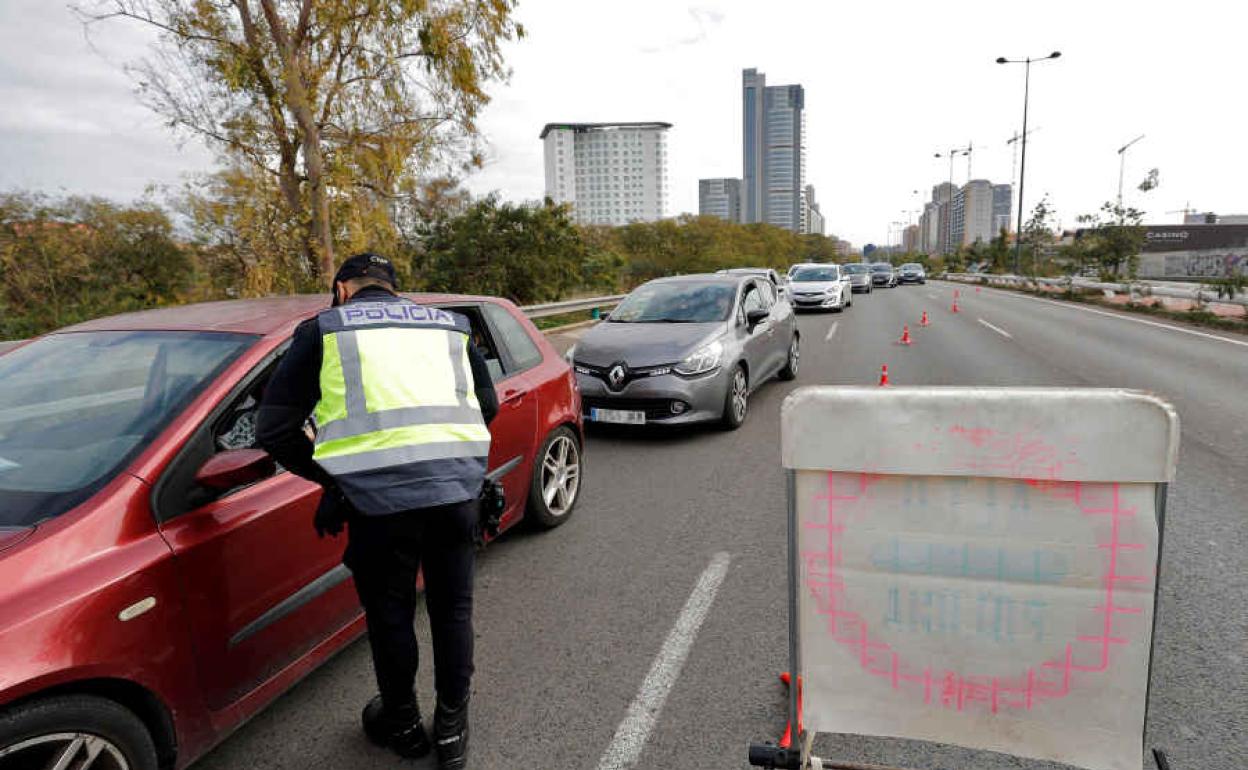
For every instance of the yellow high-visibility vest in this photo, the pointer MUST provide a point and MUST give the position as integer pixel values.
(398, 422)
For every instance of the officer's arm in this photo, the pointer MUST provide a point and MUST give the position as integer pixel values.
(289, 397)
(483, 384)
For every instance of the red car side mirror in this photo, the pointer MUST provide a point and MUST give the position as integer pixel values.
(235, 468)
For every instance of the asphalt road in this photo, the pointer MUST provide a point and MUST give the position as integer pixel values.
(570, 622)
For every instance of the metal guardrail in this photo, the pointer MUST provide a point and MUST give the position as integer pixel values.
(532, 311)
(1133, 288)
(570, 306)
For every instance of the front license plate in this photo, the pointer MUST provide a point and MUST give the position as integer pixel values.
(621, 416)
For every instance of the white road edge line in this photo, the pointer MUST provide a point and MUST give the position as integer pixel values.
(832, 331)
(1144, 321)
(632, 734)
(996, 329)
(1120, 316)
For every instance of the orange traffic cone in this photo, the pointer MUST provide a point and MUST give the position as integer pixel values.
(884, 383)
(905, 335)
(954, 309)
(924, 321)
(787, 739)
(977, 289)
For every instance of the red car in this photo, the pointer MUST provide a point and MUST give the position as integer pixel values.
(160, 579)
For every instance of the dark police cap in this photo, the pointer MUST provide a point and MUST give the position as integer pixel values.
(367, 265)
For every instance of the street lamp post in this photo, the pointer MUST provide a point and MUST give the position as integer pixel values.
(1122, 163)
(951, 154)
(898, 226)
(1022, 171)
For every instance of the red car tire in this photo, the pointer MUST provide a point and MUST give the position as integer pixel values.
(557, 469)
(72, 728)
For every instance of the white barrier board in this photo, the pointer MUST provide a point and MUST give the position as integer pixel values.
(978, 566)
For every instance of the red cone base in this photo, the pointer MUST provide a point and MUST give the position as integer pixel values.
(924, 321)
(786, 740)
(905, 335)
(884, 376)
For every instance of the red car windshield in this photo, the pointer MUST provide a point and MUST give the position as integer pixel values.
(75, 408)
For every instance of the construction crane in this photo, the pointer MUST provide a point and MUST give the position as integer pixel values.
(1013, 142)
(1185, 211)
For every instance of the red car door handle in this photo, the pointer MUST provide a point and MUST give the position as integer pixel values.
(513, 397)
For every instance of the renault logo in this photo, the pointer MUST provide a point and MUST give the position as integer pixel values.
(616, 376)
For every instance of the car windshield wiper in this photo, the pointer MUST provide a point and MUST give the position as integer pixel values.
(672, 321)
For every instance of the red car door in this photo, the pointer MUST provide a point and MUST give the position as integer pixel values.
(513, 430)
(260, 587)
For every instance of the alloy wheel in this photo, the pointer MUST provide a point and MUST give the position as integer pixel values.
(561, 475)
(740, 396)
(80, 751)
(795, 356)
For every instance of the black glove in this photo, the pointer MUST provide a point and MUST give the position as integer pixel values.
(490, 512)
(332, 512)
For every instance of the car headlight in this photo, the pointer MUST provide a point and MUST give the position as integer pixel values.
(832, 290)
(702, 360)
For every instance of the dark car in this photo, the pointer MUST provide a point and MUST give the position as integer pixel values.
(911, 272)
(883, 274)
(160, 578)
(859, 276)
(686, 349)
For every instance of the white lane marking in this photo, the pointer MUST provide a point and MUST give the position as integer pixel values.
(630, 738)
(996, 329)
(832, 331)
(933, 295)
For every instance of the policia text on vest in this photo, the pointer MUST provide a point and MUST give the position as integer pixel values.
(401, 401)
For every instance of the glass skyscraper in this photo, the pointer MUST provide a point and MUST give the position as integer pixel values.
(774, 152)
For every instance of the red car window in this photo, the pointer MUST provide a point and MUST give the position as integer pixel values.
(523, 352)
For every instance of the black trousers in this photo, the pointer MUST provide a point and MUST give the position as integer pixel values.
(384, 554)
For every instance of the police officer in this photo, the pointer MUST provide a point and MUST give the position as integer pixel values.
(401, 401)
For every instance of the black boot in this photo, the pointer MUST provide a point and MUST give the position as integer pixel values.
(400, 731)
(450, 735)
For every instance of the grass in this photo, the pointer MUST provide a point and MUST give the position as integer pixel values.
(563, 319)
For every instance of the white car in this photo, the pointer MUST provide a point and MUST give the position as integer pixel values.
(821, 287)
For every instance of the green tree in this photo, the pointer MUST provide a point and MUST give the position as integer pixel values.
(1112, 237)
(998, 251)
(818, 248)
(527, 253)
(68, 260)
(1112, 240)
(334, 108)
(1037, 235)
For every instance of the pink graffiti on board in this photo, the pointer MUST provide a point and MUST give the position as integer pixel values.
(1022, 455)
(957, 690)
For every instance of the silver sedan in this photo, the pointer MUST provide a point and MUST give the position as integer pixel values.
(686, 349)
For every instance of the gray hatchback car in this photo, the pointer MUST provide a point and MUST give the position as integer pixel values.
(686, 349)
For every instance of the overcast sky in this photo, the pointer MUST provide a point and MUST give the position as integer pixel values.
(887, 85)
